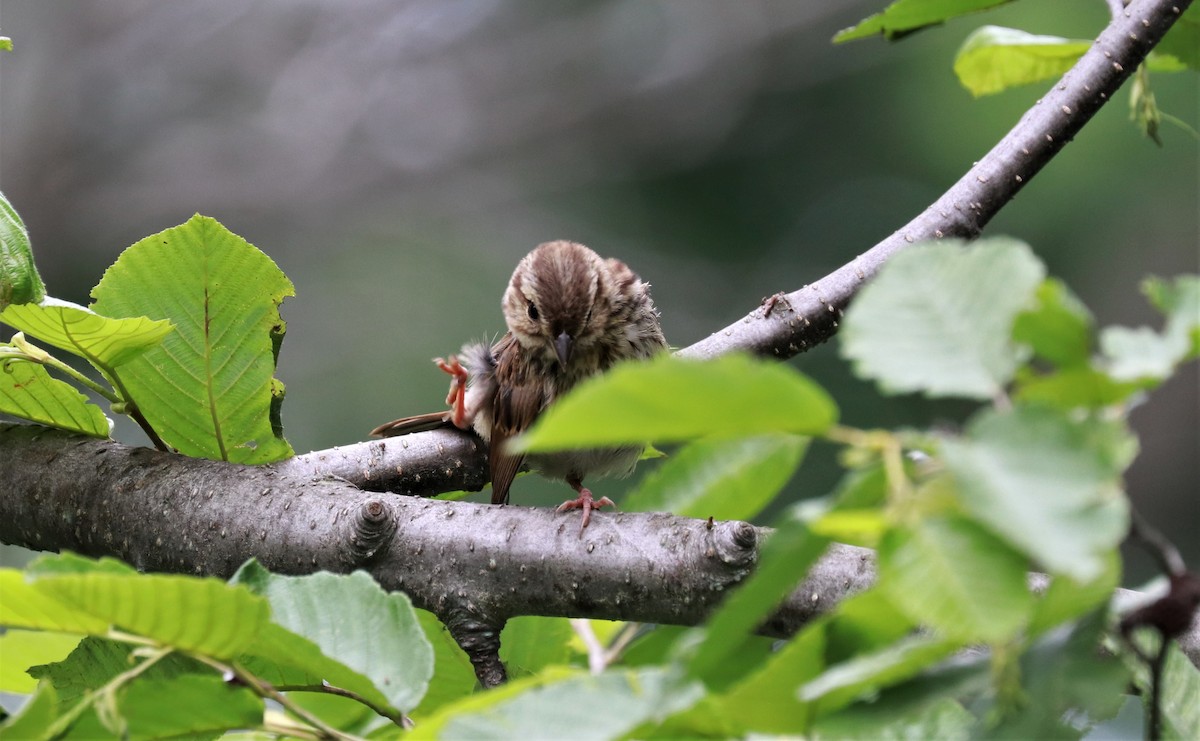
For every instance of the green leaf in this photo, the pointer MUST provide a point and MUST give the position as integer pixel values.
(902, 710)
(865, 622)
(766, 700)
(783, 561)
(938, 318)
(1183, 40)
(862, 527)
(28, 391)
(1180, 302)
(481, 702)
(1058, 327)
(952, 575)
(530, 643)
(727, 479)
(50, 564)
(33, 721)
(202, 615)
(1048, 485)
(19, 279)
(1066, 599)
(906, 16)
(843, 683)
(1141, 354)
(670, 399)
(207, 389)
(26, 606)
(994, 59)
(284, 658)
(1076, 388)
(97, 661)
(1180, 688)
(614, 703)
(935, 717)
(454, 676)
(105, 343)
(1065, 677)
(93, 664)
(22, 649)
(384, 642)
(1146, 357)
(189, 704)
(5, 43)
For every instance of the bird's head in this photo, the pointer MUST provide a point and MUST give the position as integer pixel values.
(556, 303)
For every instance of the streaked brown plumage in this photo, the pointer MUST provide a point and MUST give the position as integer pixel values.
(570, 315)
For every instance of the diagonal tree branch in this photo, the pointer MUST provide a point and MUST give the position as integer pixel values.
(477, 565)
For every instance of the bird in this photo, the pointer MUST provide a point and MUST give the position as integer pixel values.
(570, 315)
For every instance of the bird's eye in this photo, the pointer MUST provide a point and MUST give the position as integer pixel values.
(533, 312)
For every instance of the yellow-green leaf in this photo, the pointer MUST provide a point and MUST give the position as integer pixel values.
(670, 399)
(994, 58)
(106, 343)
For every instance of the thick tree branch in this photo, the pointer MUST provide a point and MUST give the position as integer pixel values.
(477, 565)
(474, 565)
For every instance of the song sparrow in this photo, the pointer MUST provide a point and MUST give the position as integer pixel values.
(570, 314)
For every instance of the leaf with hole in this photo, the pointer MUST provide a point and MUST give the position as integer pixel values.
(208, 389)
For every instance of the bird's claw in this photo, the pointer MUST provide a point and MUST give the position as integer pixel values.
(457, 396)
(585, 502)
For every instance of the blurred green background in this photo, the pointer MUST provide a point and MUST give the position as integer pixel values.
(397, 159)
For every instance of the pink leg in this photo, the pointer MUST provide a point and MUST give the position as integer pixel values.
(457, 398)
(583, 502)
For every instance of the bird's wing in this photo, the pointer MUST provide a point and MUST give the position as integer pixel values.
(518, 401)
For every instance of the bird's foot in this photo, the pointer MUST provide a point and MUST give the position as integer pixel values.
(586, 503)
(457, 397)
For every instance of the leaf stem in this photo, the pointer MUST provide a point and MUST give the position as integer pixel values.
(890, 449)
(20, 348)
(132, 411)
(398, 718)
(266, 690)
(65, 369)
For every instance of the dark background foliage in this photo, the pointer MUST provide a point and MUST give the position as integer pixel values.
(397, 159)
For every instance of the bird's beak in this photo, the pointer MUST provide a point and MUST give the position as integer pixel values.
(562, 348)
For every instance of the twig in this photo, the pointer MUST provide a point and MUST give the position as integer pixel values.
(597, 660)
(1164, 551)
